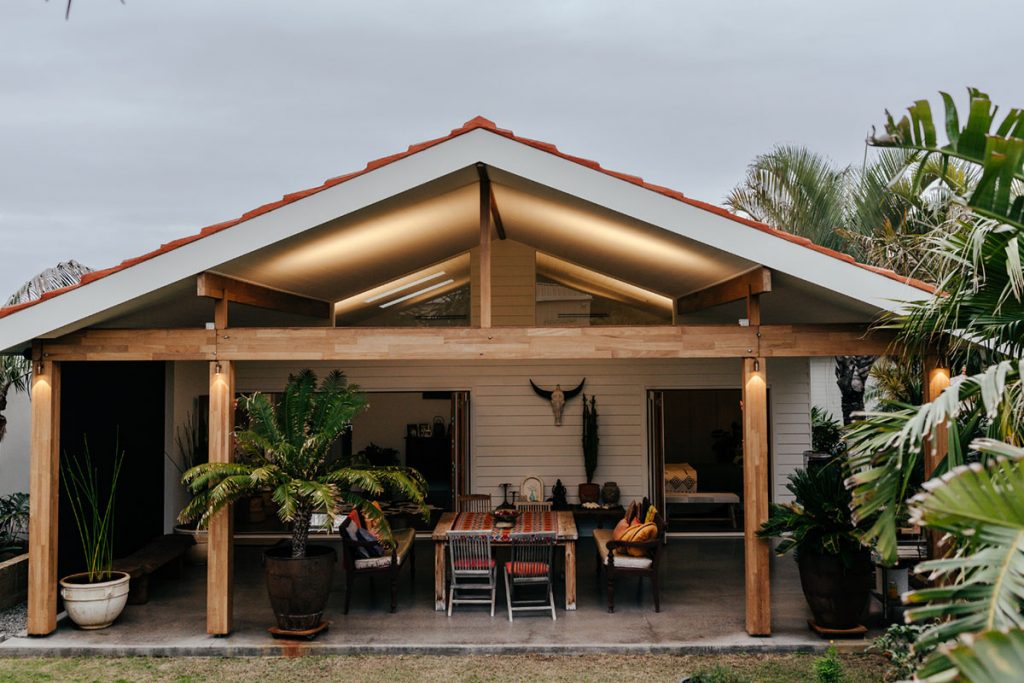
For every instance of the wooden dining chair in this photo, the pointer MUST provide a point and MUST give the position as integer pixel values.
(534, 506)
(474, 502)
(531, 568)
(473, 574)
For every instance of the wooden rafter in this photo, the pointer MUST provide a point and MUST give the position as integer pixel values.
(751, 283)
(467, 343)
(217, 286)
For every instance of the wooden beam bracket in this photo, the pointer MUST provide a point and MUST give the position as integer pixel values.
(222, 287)
(499, 227)
(743, 286)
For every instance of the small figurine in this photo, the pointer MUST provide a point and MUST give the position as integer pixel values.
(558, 496)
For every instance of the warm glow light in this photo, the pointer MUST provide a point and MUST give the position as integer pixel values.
(418, 292)
(217, 368)
(401, 288)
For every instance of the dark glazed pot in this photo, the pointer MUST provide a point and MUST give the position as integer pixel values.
(839, 597)
(610, 492)
(299, 588)
(589, 492)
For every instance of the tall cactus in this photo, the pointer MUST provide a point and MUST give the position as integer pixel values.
(590, 438)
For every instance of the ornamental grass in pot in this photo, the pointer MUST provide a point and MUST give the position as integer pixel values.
(287, 447)
(836, 571)
(96, 597)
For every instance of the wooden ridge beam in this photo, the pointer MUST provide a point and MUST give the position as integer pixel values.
(751, 283)
(468, 343)
(499, 227)
(222, 287)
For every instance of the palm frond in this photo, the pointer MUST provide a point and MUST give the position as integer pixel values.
(988, 657)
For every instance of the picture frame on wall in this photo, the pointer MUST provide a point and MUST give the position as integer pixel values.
(412, 430)
(425, 430)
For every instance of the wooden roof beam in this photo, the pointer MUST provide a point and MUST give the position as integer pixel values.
(217, 286)
(481, 170)
(748, 284)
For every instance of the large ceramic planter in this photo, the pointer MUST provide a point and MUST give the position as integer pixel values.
(196, 554)
(94, 605)
(299, 587)
(838, 596)
(589, 492)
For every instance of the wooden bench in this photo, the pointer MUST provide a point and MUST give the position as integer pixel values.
(161, 551)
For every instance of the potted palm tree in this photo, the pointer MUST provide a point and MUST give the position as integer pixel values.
(287, 448)
(836, 571)
(93, 598)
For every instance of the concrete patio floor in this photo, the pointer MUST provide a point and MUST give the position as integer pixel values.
(702, 610)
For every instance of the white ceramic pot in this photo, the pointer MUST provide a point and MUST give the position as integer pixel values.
(94, 605)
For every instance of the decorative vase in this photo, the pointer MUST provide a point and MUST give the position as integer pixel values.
(94, 605)
(610, 492)
(589, 492)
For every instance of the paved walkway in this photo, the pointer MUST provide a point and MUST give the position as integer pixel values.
(702, 610)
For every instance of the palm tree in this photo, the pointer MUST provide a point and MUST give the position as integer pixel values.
(974, 614)
(287, 448)
(15, 371)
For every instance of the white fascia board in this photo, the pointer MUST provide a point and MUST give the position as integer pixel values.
(81, 306)
(700, 225)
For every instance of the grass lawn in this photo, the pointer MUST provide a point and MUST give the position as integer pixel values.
(649, 668)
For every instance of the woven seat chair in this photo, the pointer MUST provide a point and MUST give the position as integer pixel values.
(473, 576)
(534, 506)
(531, 568)
(476, 502)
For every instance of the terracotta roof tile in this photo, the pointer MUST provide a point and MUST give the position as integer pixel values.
(475, 123)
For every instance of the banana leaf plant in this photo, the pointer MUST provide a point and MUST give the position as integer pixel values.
(287, 449)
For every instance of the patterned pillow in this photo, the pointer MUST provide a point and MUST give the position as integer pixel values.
(376, 550)
(638, 534)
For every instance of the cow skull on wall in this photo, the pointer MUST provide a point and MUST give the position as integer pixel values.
(557, 397)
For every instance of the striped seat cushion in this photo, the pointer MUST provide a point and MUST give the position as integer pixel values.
(527, 568)
(474, 563)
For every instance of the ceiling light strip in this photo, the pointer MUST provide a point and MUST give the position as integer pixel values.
(401, 288)
(418, 292)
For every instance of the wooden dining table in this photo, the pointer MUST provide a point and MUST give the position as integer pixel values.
(559, 521)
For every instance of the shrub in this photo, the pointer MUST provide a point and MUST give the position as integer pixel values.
(828, 668)
(716, 674)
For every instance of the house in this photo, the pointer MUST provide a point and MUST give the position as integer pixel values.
(452, 274)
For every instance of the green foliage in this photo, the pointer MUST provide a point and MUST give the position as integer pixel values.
(286, 448)
(13, 521)
(14, 374)
(192, 440)
(590, 437)
(92, 505)
(897, 646)
(826, 432)
(828, 668)
(716, 674)
(378, 455)
(987, 657)
(818, 521)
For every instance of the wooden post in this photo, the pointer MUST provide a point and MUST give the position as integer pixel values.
(219, 580)
(485, 255)
(44, 493)
(936, 379)
(756, 551)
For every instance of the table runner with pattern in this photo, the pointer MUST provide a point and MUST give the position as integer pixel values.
(527, 522)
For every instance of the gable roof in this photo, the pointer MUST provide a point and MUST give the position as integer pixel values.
(478, 123)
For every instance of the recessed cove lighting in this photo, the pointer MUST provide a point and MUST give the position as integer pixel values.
(401, 288)
(418, 292)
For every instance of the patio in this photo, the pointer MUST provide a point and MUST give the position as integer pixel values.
(702, 609)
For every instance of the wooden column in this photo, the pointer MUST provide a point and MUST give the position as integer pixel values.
(44, 492)
(756, 551)
(936, 379)
(485, 254)
(219, 580)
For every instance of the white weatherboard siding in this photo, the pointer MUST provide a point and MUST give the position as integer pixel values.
(513, 431)
(824, 390)
(14, 453)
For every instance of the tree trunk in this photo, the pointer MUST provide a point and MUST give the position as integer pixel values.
(851, 376)
(300, 530)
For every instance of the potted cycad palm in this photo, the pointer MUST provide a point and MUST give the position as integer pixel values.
(287, 448)
(93, 598)
(836, 572)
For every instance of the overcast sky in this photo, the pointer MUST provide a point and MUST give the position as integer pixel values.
(134, 124)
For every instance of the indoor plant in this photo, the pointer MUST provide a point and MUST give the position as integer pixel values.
(836, 572)
(589, 492)
(192, 442)
(287, 447)
(93, 598)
